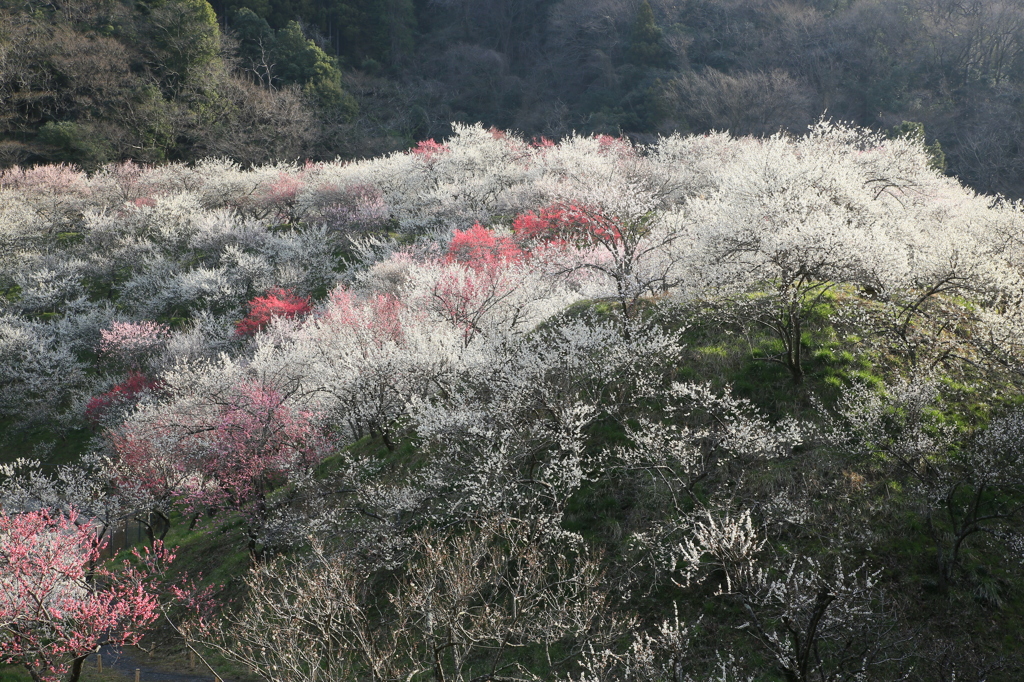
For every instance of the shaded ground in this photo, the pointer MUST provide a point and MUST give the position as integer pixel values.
(126, 663)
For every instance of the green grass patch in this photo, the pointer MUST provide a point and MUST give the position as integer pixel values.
(214, 553)
(41, 442)
(14, 673)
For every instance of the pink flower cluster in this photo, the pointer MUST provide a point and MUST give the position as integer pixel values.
(257, 441)
(428, 149)
(56, 606)
(378, 319)
(233, 460)
(567, 223)
(480, 249)
(127, 341)
(120, 394)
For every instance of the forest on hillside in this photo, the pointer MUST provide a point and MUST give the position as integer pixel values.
(93, 81)
(730, 409)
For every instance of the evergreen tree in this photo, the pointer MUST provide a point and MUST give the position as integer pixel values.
(646, 41)
(182, 38)
(299, 60)
(914, 130)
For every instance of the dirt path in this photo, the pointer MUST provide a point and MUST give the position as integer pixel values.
(124, 663)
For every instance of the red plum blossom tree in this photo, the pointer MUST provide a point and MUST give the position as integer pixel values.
(275, 303)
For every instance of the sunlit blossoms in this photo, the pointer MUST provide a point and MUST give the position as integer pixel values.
(540, 405)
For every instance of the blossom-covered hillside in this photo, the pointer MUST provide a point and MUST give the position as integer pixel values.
(493, 409)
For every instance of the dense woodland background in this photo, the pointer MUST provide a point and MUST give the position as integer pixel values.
(92, 81)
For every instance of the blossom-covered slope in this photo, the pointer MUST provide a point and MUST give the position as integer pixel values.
(440, 363)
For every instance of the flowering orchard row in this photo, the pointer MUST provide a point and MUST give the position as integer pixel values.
(234, 338)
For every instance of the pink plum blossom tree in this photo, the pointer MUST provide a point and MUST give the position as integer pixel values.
(131, 342)
(56, 605)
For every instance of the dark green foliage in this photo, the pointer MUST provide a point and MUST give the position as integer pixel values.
(14, 673)
(70, 142)
(255, 37)
(180, 38)
(297, 58)
(52, 447)
(646, 40)
(149, 81)
(374, 75)
(915, 131)
(358, 31)
(287, 57)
